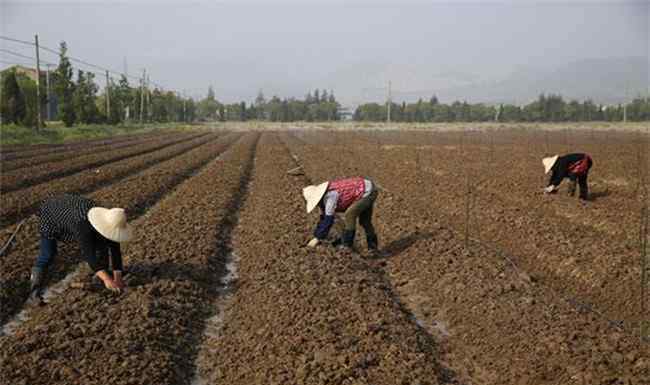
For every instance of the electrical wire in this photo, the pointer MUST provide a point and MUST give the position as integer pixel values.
(16, 40)
(22, 56)
(74, 59)
(15, 63)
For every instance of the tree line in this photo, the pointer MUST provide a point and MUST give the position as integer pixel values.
(78, 101)
(318, 106)
(547, 108)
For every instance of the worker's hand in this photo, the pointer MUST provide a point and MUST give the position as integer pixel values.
(314, 242)
(112, 286)
(109, 283)
(117, 279)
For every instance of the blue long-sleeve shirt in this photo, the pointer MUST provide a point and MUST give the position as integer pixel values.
(328, 209)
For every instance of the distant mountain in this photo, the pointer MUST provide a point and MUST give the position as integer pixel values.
(368, 82)
(605, 81)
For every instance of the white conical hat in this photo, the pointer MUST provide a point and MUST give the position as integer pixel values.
(313, 194)
(549, 162)
(110, 223)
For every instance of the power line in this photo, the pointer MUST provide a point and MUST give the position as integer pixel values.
(15, 63)
(21, 55)
(74, 59)
(45, 62)
(54, 51)
(16, 40)
(34, 59)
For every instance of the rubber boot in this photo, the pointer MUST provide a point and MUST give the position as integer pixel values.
(572, 188)
(373, 248)
(37, 283)
(348, 238)
(371, 240)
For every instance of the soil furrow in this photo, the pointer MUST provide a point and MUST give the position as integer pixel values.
(20, 179)
(598, 269)
(486, 314)
(28, 151)
(304, 316)
(571, 258)
(10, 165)
(150, 333)
(20, 204)
(136, 194)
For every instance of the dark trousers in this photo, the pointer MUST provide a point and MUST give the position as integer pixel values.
(584, 187)
(362, 209)
(47, 254)
(582, 182)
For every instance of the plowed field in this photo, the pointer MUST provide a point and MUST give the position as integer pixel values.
(481, 280)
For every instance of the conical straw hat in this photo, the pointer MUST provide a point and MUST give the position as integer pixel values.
(549, 162)
(313, 194)
(111, 223)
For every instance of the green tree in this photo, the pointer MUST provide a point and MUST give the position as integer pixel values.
(222, 113)
(114, 116)
(510, 113)
(12, 100)
(64, 87)
(242, 111)
(260, 106)
(28, 89)
(190, 110)
(123, 99)
(85, 98)
(209, 108)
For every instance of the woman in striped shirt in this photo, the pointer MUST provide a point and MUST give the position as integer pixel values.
(99, 231)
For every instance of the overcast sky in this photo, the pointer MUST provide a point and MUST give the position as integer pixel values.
(288, 47)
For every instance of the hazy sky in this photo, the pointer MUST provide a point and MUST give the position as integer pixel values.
(288, 47)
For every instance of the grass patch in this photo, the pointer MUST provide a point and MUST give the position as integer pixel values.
(56, 132)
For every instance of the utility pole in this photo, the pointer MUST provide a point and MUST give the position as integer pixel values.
(108, 98)
(38, 86)
(625, 105)
(144, 73)
(47, 84)
(127, 107)
(645, 260)
(184, 108)
(389, 103)
(149, 112)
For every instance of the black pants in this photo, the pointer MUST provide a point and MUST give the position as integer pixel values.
(582, 182)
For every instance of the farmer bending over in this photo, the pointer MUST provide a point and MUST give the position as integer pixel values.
(572, 166)
(353, 196)
(98, 230)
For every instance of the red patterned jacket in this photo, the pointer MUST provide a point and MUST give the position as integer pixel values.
(349, 190)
